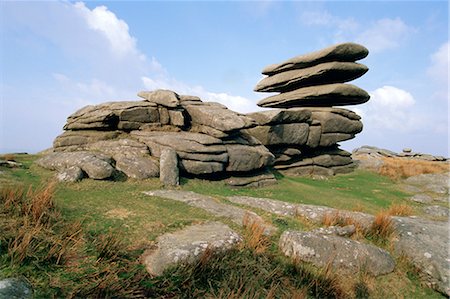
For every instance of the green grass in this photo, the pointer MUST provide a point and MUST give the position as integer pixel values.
(137, 219)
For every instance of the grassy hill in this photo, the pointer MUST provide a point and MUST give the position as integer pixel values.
(84, 239)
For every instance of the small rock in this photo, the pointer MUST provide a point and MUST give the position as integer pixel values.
(187, 245)
(407, 150)
(162, 97)
(15, 288)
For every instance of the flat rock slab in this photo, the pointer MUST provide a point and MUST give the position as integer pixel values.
(326, 95)
(324, 73)
(339, 52)
(344, 254)
(188, 244)
(311, 213)
(210, 204)
(426, 243)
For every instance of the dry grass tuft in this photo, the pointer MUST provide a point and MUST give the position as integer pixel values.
(382, 228)
(338, 219)
(400, 210)
(402, 167)
(254, 237)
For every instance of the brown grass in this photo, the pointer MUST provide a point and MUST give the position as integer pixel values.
(382, 228)
(8, 157)
(400, 210)
(254, 237)
(337, 219)
(403, 167)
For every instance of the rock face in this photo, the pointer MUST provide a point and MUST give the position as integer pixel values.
(15, 288)
(130, 137)
(304, 134)
(344, 254)
(187, 245)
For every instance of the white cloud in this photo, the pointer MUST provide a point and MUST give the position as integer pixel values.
(390, 108)
(385, 34)
(115, 30)
(343, 26)
(438, 69)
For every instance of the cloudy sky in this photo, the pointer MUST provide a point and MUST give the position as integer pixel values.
(57, 57)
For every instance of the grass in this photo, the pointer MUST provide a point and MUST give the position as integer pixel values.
(90, 235)
(401, 167)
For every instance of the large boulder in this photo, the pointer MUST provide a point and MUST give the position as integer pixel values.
(340, 52)
(137, 167)
(337, 94)
(281, 116)
(324, 73)
(293, 133)
(342, 253)
(95, 165)
(162, 97)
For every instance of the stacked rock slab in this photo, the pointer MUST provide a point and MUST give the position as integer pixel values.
(304, 127)
(131, 136)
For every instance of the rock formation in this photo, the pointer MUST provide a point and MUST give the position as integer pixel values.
(208, 140)
(130, 138)
(303, 133)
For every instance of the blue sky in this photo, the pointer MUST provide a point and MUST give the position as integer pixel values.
(59, 56)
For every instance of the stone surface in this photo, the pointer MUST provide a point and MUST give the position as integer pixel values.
(210, 204)
(80, 140)
(422, 198)
(295, 133)
(339, 52)
(336, 123)
(138, 167)
(162, 97)
(342, 231)
(71, 174)
(168, 165)
(324, 73)
(15, 288)
(188, 244)
(255, 180)
(437, 183)
(244, 158)
(344, 254)
(218, 117)
(328, 95)
(281, 116)
(426, 244)
(95, 165)
(437, 211)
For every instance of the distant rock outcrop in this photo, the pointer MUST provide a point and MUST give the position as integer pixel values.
(304, 135)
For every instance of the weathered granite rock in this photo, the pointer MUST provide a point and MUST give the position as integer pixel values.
(422, 198)
(218, 117)
(244, 158)
(342, 231)
(344, 254)
(327, 95)
(137, 167)
(262, 179)
(331, 121)
(437, 211)
(426, 244)
(324, 73)
(281, 116)
(169, 173)
(210, 204)
(15, 288)
(340, 52)
(438, 183)
(188, 244)
(79, 140)
(71, 174)
(162, 97)
(95, 165)
(293, 133)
